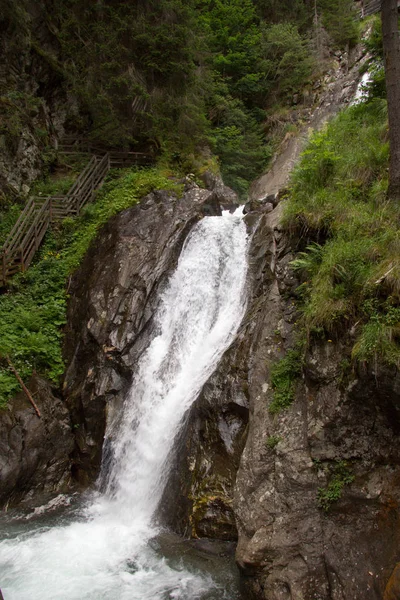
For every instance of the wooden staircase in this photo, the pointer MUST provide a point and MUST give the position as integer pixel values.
(28, 232)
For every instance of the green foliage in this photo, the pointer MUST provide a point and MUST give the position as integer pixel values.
(339, 19)
(374, 41)
(131, 65)
(380, 334)
(339, 476)
(51, 186)
(338, 197)
(288, 61)
(284, 376)
(252, 65)
(273, 441)
(275, 11)
(33, 312)
(8, 217)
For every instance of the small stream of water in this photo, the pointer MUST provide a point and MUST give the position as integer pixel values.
(105, 548)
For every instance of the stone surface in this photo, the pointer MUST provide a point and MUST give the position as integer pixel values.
(29, 70)
(288, 547)
(34, 452)
(392, 591)
(227, 198)
(114, 295)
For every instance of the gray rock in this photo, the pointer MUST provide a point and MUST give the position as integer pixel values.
(34, 452)
(222, 194)
(113, 298)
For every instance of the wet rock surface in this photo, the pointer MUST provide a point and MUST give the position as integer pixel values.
(34, 452)
(289, 547)
(113, 299)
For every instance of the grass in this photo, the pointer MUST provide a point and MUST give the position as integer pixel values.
(284, 376)
(339, 211)
(272, 441)
(33, 312)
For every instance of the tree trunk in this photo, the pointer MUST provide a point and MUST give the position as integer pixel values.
(391, 46)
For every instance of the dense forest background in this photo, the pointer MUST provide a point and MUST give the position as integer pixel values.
(203, 84)
(180, 77)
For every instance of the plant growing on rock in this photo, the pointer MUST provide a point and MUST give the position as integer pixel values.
(272, 441)
(33, 312)
(339, 476)
(284, 376)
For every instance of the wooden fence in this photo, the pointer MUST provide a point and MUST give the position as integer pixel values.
(370, 7)
(118, 158)
(28, 232)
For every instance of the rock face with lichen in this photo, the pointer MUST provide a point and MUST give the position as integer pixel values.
(310, 493)
(315, 499)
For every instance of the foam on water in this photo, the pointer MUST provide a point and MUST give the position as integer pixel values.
(105, 553)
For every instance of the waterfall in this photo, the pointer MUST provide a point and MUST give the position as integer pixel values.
(104, 552)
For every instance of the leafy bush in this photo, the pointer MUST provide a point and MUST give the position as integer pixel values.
(339, 19)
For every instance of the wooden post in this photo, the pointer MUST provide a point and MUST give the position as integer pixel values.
(21, 252)
(27, 392)
(36, 237)
(4, 272)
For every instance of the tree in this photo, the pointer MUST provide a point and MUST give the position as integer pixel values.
(391, 48)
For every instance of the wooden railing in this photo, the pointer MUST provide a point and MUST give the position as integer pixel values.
(28, 232)
(370, 7)
(118, 158)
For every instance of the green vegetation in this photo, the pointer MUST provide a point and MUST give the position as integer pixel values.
(284, 376)
(338, 208)
(339, 20)
(339, 475)
(176, 76)
(33, 312)
(179, 77)
(272, 441)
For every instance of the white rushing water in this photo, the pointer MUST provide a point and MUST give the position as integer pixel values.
(105, 552)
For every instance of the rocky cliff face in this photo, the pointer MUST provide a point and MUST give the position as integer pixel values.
(35, 102)
(297, 537)
(289, 546)
(113, 299)
(34, 452)
(230, 481)
(337, 442)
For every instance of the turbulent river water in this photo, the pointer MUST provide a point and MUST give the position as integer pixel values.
(109, 545)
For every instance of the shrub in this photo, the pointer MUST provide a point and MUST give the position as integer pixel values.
(339, 476)
(284, 376)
